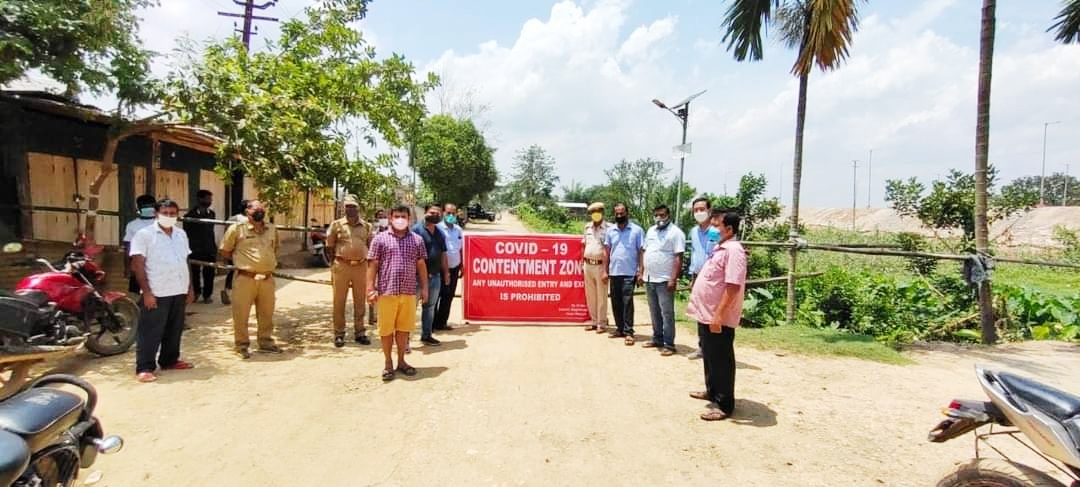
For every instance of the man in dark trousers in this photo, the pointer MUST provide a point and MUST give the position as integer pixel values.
(455, 243)
(203, 245)
(624, 248)
(438, 269)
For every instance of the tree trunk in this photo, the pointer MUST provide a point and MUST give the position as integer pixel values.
(93, 200)
(796, 181)
(982, 150)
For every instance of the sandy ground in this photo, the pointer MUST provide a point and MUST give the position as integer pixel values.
(528, 405)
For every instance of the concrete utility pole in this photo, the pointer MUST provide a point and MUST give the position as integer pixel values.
(854, 190)
(1065, 190)
(869, 176)
(249, 16)
(1042, 175)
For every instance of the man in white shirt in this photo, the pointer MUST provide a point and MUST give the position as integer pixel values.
(159, 259)
(144, 208)
(664, 246)
(455, 243)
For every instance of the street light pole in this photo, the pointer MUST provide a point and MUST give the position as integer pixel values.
(854, 190)
(681, 111)
(869, 176)
(1042, 175)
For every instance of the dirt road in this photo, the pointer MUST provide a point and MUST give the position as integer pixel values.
(527, 405)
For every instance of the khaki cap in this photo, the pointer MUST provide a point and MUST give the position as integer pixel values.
(598, 206)
(350, 200)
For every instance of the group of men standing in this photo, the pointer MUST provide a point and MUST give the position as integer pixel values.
(386, 266)
(620, 256)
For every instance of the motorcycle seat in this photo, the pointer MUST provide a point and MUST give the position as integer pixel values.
(33, 296)
(14, 457)
(38, 415)
(1058, 404)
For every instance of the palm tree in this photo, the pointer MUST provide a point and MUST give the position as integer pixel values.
(982, 151)
(1067, 27)
(820, 31)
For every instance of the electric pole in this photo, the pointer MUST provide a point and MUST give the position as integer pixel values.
(854, 190)
(1065, 190)
(249, 16)
(869, 176)
(231, 196)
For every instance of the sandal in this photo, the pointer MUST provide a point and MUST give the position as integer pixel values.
(716, 415)
(387, 375)
(629, 340)
(145, 377)
(407, 370)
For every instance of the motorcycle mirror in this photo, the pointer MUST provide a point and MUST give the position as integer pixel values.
(13, 247)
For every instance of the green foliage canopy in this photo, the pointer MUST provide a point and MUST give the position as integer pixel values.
(453, 160)
(288, 113)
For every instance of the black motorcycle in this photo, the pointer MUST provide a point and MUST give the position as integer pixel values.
(48, 434)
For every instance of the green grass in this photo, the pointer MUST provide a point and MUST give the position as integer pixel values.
(1058, 281)
(807, 341)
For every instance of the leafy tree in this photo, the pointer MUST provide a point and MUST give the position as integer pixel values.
(453, 160)
(576, 192)
(534, 177)
(640, 184)
(1023, 192)
(820, 32)
(950, 204)
(1067, 28)
(88, 45)
(287, 114)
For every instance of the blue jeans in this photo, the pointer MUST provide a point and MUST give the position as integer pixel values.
(427, 315)
(662, 308)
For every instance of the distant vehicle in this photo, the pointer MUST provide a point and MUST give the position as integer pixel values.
(477, 212)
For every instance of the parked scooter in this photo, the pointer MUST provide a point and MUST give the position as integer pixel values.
(65, 307)
(1048, 418)
(48, 434)
(320, 255)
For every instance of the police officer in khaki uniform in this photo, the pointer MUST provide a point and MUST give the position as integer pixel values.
(348, 238)
(252, 246)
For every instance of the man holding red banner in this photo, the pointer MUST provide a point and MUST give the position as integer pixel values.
(595, 260)
(624, 246)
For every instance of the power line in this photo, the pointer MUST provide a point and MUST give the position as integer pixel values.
(249, 16)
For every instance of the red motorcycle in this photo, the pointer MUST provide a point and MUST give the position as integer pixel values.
(65, 307)
(320, 255)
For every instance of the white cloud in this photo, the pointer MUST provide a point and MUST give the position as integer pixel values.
(579, 83)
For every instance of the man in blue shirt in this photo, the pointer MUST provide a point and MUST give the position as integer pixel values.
(455, 242)
(699, 247)
(624, 246)
(437, 268)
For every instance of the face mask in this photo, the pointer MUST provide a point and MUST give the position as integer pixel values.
(258, 215)
(400, 224)
(166, 221)
(204, 203)
(713, 235)
(621, 218)
(432, 219)
(351, 211)
(147, 212)
(383, 222)
(701, 216)
(450, 219)
(597, 217)
(661, 222)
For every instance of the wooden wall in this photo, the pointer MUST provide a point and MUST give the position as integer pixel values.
(54, 181)
(173, 185)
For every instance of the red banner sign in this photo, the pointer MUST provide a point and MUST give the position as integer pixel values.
(524, 278)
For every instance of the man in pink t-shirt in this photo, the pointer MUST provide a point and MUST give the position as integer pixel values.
(716, 303)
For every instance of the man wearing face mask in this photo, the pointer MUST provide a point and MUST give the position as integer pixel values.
(624, 246)
(396, 267)
(203, 245)
(349, 238)
(700, 245)
(664, 246)
(438, 269)
(159, 258)
(595, 261)
(252, 246)
(455, 242)
(241, 216)
(144, 206)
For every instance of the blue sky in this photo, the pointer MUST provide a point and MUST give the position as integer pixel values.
(577, 77)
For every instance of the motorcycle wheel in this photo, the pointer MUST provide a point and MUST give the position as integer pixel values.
(993, 472)
(57, 466)
(325, 259)
(103, 342)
